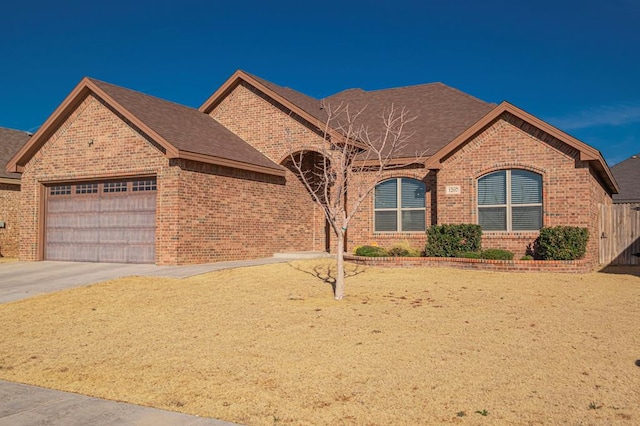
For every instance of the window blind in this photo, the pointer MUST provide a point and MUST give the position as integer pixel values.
(492, 189)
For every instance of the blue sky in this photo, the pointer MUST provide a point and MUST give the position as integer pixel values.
(575, 64)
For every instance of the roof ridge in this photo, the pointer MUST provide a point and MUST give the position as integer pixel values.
(16, 130)
(269, 82)
(413, 86)
(95, 80)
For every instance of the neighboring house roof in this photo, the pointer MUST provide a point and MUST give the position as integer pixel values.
(10, 142)
(627, 173)
(182, 131)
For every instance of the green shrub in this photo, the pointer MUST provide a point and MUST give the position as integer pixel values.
(563, 243)
(371, 251)
(469, 254)
(526, 257)
(404, 249)
(496, 254)
(449, 240)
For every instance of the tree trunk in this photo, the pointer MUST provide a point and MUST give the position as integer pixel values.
(339, 290)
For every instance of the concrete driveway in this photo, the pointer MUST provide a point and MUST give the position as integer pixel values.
(19, 280)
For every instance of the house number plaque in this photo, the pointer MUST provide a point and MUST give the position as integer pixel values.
(453, 190)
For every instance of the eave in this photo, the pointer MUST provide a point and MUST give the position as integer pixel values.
(239, 76)
(87, 87)
(9, 181)
(586, 152)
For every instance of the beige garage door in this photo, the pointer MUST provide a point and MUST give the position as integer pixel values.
(112, 221)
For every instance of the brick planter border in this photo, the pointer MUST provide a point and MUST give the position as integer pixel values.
(565, 266)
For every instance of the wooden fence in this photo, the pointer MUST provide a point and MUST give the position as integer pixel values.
(620, 234)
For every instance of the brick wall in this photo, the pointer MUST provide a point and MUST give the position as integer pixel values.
(204, 213)
(570, 193)
(9, 214)
(276, 133)
(561, 266)
(230, 214)
(93, 142)
(571, 190)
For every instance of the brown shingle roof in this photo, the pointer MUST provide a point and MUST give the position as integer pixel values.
(627, 174)
(441, 112)
(10, 143)
(308, 104)
(187, 129)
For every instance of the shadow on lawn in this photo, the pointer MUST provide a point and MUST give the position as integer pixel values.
(622, 270)
(327, 273)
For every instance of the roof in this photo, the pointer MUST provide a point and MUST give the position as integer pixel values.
(587, 152)
(446, 118)
(182, 131)
(627, 174)
(10, 142)
(442, 112)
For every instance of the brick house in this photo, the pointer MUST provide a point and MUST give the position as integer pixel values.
(10, 142)
(117, 175)
(627, 174)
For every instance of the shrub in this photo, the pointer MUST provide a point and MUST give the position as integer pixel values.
(526, 257)
(563, 243)
(371, 251)
(449, 240)
(403, 249)
(496, 254)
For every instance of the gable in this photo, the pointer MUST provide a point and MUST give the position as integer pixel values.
(264, 123)
(95, 141)
(181, 132)
(537, 129)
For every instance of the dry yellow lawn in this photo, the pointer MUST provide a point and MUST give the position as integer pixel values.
(268, 345)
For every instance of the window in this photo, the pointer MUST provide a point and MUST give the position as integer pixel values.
(510, 200)
(115, 187)
(60, 190)
(87, 188)
(399, 206)
(143, 185)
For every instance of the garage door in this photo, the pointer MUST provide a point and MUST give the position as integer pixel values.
(112, 221)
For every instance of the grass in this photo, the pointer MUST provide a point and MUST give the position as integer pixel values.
(406, 347)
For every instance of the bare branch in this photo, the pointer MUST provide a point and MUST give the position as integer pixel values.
(351, 158)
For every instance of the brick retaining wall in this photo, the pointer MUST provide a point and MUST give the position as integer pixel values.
(564, 266)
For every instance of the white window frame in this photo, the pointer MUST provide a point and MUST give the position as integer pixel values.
(399, 209)
(509, 205)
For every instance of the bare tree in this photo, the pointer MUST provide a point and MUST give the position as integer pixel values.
(352, 159)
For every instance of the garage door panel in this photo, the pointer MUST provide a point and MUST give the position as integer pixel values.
(73, 221)
(73, 205)
(136, 202)
(77, 252)
(90, 222)
(127, 220)
(67, 236)
(125, 235)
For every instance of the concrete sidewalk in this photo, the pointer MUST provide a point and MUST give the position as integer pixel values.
(23, 405)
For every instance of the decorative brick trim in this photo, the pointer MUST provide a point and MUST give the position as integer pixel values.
(563, 266)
